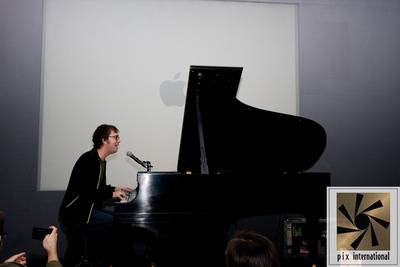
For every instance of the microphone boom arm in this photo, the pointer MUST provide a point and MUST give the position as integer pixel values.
(145, 164)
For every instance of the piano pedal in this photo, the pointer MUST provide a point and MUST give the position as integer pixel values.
(84, 263)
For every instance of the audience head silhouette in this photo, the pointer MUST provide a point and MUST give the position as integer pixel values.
(251, 249)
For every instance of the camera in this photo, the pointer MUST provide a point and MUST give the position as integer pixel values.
(40, 233)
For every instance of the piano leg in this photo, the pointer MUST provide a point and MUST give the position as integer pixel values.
(196, 245)
(128, 237)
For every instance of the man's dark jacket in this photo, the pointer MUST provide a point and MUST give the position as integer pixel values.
(85, 191)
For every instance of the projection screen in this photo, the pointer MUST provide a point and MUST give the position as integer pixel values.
(126, 63)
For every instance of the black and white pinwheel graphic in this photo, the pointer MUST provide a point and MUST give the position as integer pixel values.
(362, 221)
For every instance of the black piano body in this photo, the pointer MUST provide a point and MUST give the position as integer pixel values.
(235, 161)
(167, 201)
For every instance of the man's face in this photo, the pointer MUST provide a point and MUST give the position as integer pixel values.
(112, 143)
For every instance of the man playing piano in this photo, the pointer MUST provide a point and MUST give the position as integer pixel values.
(82, 206)
(87, 189)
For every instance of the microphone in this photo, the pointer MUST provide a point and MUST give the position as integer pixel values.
(129, 154)
(145, 164)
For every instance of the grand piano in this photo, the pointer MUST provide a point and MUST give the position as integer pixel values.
(235, 161)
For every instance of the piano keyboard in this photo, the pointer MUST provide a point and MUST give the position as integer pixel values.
(130, 196)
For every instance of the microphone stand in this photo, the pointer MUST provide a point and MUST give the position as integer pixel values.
(145, 164)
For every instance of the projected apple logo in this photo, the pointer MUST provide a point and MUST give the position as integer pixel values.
(171, 92)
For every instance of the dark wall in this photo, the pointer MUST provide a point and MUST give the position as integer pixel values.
(349, 72)
(350, 83)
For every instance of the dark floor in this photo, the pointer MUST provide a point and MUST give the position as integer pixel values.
(142, 262)
(303, 262)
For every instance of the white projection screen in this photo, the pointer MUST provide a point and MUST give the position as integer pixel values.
(126, 63)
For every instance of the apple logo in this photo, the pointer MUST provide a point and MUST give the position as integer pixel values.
(171, 92)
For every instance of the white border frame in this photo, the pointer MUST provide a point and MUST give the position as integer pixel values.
(332, 252)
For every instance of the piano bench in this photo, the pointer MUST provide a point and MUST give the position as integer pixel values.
(77, 253)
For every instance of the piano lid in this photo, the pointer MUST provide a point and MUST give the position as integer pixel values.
(238, 137)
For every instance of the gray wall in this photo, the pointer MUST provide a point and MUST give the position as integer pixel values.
(349, 55)
(350, 83)
(20, 72)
